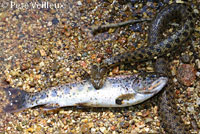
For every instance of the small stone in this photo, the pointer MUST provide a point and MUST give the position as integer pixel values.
(149, 68)
(67, 34)
(198, 29)
(115, 70)
(83, 64)
(55, 21)
(93, 56)
(136, 28)
(186, 74)
(25, 66)
(122, 40)
(180, 1)
(30, 130)
(109, 50)
(198, 101)
(185, 58)
(49, 23)
(145, 114)
(36, 113)
(148, 120)
(198, 74)
(19, 128)
(113, 128)
(42, 64)
(42, 52)
(84, 120)
(79, 3)
(102, 129)
(99, 60)
(111, 30)
(124, 125)
(59, 74)
(84, 128)
(68, 69)
(139, 113)
(36, 60)
(91, 124)
(198, 63)
(93, 130)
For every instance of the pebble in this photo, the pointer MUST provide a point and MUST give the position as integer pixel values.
(198, 63)
(185, 58)
(198, 29)
(25, 66)
(93, 130)
(115, 70)
(103, 129)
(79, 3)
(148, 120)
(49, 23)
(31, 130)
(85, 128)
(36, 113)
(136, 28)
(198, 101)
(42, 52)
(71, 15)
(55, 21)
(186, 74)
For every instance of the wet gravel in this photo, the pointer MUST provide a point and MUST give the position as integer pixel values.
(43, 47)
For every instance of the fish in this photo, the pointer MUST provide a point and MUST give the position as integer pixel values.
(118, 91)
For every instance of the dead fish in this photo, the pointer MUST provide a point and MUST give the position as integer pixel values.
(119, 91)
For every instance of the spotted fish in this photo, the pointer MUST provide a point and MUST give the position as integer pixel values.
(119, 91)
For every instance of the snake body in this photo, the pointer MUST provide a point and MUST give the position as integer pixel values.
(156, 46)
(171, 121)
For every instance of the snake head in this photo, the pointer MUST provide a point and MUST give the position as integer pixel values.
(98, 76)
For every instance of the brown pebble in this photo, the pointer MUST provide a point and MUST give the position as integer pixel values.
(36, 60)
(146, 113)
(186, 74)
(42, 52)
(115, 70)
(122, 40)
(109, 50)
(113, 128)
(83, 64)
(99, 60)
(93, 56)
(84, 128)
(25, 66)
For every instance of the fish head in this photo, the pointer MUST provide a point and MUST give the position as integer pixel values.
(149, 83)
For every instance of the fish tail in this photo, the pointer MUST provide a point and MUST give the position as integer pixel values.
(17, 100)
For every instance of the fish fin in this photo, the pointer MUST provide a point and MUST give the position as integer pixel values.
(120, 99)
(49, 107)
(82, 104)
(16, 99)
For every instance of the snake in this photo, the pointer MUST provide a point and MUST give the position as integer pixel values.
(171, 120)
(157, 46)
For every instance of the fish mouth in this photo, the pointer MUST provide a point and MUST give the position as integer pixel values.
(158, 85)
(153, 87)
